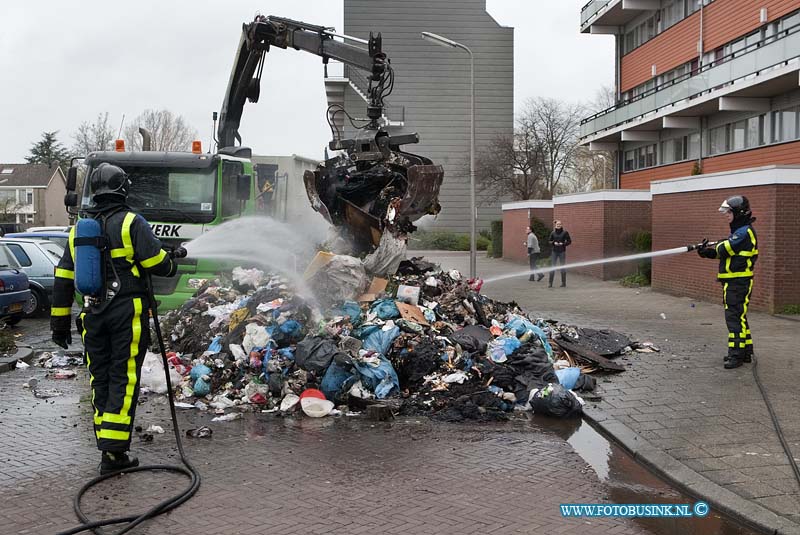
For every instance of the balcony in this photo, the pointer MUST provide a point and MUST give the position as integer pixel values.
(762, 70)
(610, 14)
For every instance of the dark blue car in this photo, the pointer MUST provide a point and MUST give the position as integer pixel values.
(14, 292)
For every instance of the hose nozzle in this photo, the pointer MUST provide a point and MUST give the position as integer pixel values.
(702, 245)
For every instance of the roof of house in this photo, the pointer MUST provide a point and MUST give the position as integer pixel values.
(27, 175)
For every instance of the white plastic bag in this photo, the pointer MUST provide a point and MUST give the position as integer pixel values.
(153, 377)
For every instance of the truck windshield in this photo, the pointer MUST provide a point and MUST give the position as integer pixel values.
(171, 194)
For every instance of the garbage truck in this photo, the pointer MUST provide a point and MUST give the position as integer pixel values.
(370, 188)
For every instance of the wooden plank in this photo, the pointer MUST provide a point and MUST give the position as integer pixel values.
(587, 354)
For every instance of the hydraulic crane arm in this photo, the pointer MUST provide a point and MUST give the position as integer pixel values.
(265, 32)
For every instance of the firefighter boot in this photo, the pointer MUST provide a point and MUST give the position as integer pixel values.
(734, 361)
(113, 461)
(748, 357)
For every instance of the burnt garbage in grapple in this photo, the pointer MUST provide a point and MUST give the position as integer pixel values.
(455, 355)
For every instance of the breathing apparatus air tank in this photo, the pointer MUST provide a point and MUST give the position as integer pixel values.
(88, 257)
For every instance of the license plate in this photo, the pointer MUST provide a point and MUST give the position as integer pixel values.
(15, 307)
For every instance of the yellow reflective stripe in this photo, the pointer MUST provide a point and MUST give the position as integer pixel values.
(72, 243)
(65, 273)
(60, 311)
(730, 335)
(113, 434)
(154, 260)
(98, 420)
(752, 238)
(116, 418)
(754, 252)
(743, 318)
(725, 295)
(127, 242)
(728, 247)
(136, 330)
(735, 275)
(119, 253)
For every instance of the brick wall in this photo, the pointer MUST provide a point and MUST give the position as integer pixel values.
(683, 218)
(724, 21)
(782, 154)
(514, 237)
(599, 229)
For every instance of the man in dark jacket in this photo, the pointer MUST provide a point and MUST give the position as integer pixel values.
(114, 323)
(737, 258)
(532, 243)
(559, 241)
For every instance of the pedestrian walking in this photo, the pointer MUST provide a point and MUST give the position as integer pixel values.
(534, 251)
(114, 321)
(559, 241)
(737, 258)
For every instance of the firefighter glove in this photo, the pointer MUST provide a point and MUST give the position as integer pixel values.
(62, 338)
(179, 252)
(706, 252)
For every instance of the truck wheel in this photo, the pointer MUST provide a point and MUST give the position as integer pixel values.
(35, 304)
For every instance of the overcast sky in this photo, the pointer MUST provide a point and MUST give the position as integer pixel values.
(64, 62)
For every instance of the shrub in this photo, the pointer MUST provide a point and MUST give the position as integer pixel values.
(443, 240)
(791, 309)
(497, 239)
(637, 280)
(640, 242)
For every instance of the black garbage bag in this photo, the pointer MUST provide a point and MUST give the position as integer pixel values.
(555, 400)
(585, 383)
(315, 353)
(413, 365)
(473, 338)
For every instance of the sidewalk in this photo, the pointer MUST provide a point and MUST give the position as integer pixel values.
(681, 401)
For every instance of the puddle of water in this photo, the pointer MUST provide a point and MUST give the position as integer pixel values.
(629, 482)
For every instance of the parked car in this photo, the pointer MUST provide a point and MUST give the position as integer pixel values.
(59, 238)
(10, 227)
(48, 229)
(14, 292)
(38, 260)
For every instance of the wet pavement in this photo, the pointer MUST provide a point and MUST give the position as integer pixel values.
(334, 475)
(681, 400)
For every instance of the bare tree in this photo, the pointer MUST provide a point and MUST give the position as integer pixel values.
(93, 136)
(8, 208)
(169, 132)
(589, 170)
(554, 127)
(510, 167)
(604, 98)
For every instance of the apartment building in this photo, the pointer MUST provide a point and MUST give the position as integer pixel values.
(707, 105)
(431, 94)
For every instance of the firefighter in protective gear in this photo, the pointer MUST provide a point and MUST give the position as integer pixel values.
(737, 258)
(114, 325)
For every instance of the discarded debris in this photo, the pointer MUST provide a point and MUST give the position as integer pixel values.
(200, 432)
(419, 342)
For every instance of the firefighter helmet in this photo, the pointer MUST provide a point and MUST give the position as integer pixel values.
(109, 179)
(738, 205)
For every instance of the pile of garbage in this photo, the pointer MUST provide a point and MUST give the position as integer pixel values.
(421, 342)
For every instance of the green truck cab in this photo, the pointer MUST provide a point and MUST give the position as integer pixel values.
(182, 195)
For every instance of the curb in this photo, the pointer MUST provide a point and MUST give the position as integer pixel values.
(24, 353)
(664, 465)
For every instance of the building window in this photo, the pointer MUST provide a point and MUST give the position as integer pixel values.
(718, 140)
(630, 160)
(694, 146)
(788, 125)
(29, 218)
(755, 131)
(738, 135)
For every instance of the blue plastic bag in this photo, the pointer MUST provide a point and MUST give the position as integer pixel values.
(201, 387)
(568, 377)
(350, 309)
(380, 379)
(336, 380)
(385, 309)
(216, 345)
(500, 348)
(380, 340)
(293, 328)
(522, 325)
(199, 371)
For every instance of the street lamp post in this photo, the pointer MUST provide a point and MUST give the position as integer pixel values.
(473, 244)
